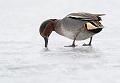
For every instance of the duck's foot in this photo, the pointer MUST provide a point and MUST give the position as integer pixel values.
(86, 45)
(71, 45)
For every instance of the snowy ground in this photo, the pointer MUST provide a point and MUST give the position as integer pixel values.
(23, 58)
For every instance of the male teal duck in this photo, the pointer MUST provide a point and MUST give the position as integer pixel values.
(75, 26)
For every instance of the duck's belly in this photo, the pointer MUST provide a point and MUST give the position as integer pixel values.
(82, 35)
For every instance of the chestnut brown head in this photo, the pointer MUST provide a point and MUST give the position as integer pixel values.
(46, 29)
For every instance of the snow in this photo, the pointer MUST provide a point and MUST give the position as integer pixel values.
(23, 58)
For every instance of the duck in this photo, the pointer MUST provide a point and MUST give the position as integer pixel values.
(75, 26)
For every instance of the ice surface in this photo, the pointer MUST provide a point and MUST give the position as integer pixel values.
(23, 58)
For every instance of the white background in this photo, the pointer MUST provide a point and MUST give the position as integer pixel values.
(23, 58)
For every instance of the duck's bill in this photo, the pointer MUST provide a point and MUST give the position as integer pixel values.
(46, 41)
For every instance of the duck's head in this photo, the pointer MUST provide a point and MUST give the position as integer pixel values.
(46, 29)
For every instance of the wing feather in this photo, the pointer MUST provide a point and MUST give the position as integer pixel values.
(84, 16)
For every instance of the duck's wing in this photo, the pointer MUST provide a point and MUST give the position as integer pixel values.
(85, 16)
(78, 16)
(99, 14)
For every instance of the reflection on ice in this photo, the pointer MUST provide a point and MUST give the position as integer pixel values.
(83, 51)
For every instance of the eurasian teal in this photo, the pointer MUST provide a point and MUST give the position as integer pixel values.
(75, 26)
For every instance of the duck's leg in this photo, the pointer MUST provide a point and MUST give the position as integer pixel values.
(89, 42)
(73, 44)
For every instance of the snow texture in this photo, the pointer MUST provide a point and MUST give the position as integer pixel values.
(23, 58)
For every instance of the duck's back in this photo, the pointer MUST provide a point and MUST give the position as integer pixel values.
(70, 24)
